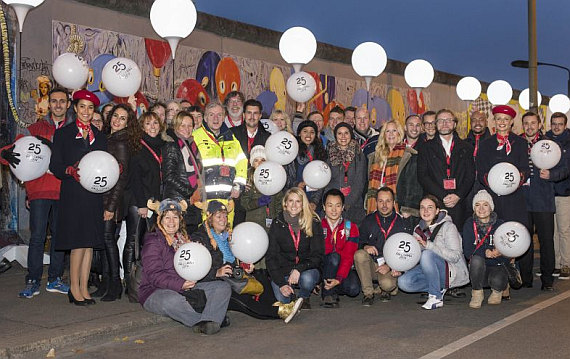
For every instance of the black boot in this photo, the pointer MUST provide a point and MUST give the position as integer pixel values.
(114, 292)
(102, 287)
(115, 288)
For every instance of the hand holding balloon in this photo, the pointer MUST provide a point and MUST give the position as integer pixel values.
(189, 284)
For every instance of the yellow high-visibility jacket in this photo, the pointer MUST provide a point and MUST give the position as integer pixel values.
(224, 163)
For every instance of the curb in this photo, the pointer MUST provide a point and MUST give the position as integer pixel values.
(45, 345)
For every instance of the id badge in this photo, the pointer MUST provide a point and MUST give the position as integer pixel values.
(224, 171)
(268, 222)
(449, 183)
(345, 190)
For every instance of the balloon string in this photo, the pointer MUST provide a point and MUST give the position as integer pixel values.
(7, 72)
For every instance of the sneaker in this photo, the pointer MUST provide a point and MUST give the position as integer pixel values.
(433, 303)
(564, 273)
(294, 310)
(539, 273)
(385, 297)
(330, 301)
(556, 272)
(57, 286)
(368, 300)
(206, 327)
(32, 289)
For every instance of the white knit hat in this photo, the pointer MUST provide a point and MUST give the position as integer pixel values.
(483, 195)
(256, 152)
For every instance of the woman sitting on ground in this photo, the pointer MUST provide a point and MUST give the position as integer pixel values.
(162, 290)
(248, 295)
(487, 267)
(442, 265)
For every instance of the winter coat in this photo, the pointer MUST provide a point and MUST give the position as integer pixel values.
(255, 213)
(281, 255)
(346, 244)
(469, 243)
(448, 245)
(432, 171)
(511, 207)
(118, 146)
(561, 177)
(202, 237)
(80, 212)
(372, 235)
(356, 179)
(409, 191)
(158, 267)
(539, 193)
(144, 174)
(476, 140)
(240, 133)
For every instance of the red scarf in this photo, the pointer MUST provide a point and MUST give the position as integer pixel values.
(504, 141)
(82, 127)
(533, 141)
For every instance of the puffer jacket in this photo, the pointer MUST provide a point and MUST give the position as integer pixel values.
(448, 245)
(561, 177)
(118, 146)
(174, 177)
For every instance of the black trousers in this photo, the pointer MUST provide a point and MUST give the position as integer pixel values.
(541, 223)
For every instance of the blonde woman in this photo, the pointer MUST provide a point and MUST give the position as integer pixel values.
(296, 249)
(388, 165)
(281, 120)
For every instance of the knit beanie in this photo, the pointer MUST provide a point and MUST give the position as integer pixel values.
(483, 195)
(257, 152)
(307, 123)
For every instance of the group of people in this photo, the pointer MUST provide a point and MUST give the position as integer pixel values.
(187, 176)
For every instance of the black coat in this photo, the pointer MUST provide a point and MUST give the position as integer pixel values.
(469, 245)
(240, 132)
(472, 140)
(432, 170)
(372, 235)
(144, 174)
(202, 237)
(511, 207)
(80, 216)
(118, 146)
(280, 257)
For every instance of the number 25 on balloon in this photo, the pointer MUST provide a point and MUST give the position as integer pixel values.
(405, 246)
(185, 255)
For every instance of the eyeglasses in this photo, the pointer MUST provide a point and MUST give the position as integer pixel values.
(429, 124)
(445, 120)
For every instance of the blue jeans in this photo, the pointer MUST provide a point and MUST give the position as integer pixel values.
(349, 286)
(42, 212)
(429, 276)
(307, 283)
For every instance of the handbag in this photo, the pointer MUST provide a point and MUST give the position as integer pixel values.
(196, 298)
(515, 280)
(246, 285)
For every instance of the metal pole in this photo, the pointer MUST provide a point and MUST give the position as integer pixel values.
(532, 60)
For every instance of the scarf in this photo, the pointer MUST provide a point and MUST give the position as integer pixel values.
(533, 141)
(154, 142)
(338, 156)
(504, 142)
(483, 227)
(177, 241)
(304, 158)
(191, 156)
(85, 129)
(293, 221)
(384, 175)
(223, 244)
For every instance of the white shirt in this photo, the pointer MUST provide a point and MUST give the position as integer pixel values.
(446, 145)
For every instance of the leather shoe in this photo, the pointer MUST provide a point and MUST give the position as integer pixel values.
(547, 288)
(5, 265)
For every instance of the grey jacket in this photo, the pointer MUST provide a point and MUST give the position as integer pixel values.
(448, 245)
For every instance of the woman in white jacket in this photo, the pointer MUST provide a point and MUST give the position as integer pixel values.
(442, 264)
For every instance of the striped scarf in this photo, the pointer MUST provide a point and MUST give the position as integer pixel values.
(384, 175)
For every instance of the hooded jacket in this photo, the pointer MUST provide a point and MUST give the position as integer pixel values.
(561, 177)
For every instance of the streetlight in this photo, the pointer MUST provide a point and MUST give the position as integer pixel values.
(524, 64)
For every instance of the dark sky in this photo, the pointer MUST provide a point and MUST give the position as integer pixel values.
(473, 38)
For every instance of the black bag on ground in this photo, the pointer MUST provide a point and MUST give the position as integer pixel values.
(515, 280)
(196, 298)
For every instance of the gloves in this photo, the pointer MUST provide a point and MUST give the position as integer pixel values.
(73, 171)
(264, 201)
(44, 141)
(10, 156)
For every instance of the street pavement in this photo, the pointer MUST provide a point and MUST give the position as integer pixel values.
(532, 324)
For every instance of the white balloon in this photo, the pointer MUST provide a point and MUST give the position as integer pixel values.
(512, 239)
(281, 147)
(34, 158)
(317, 174)
(402, 252)
(249, 242)
(297, 45)
(419, 74)
(468, 88)
(545, 154)
(269, 126)
(559, 103)
(499, 92)
(121, 77)
(98, 171)
(524, 98)
(301, 86)
(70, 70)
(192, 261)
(269, 178)
(504, 178)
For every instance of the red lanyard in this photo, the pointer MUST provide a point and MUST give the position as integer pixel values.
(156, 157)
(346, 165)
(479, 242)
(448, 158)
(309, 155)
(386, 233)
(296, 240)
(476, 145)
(217, 143)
